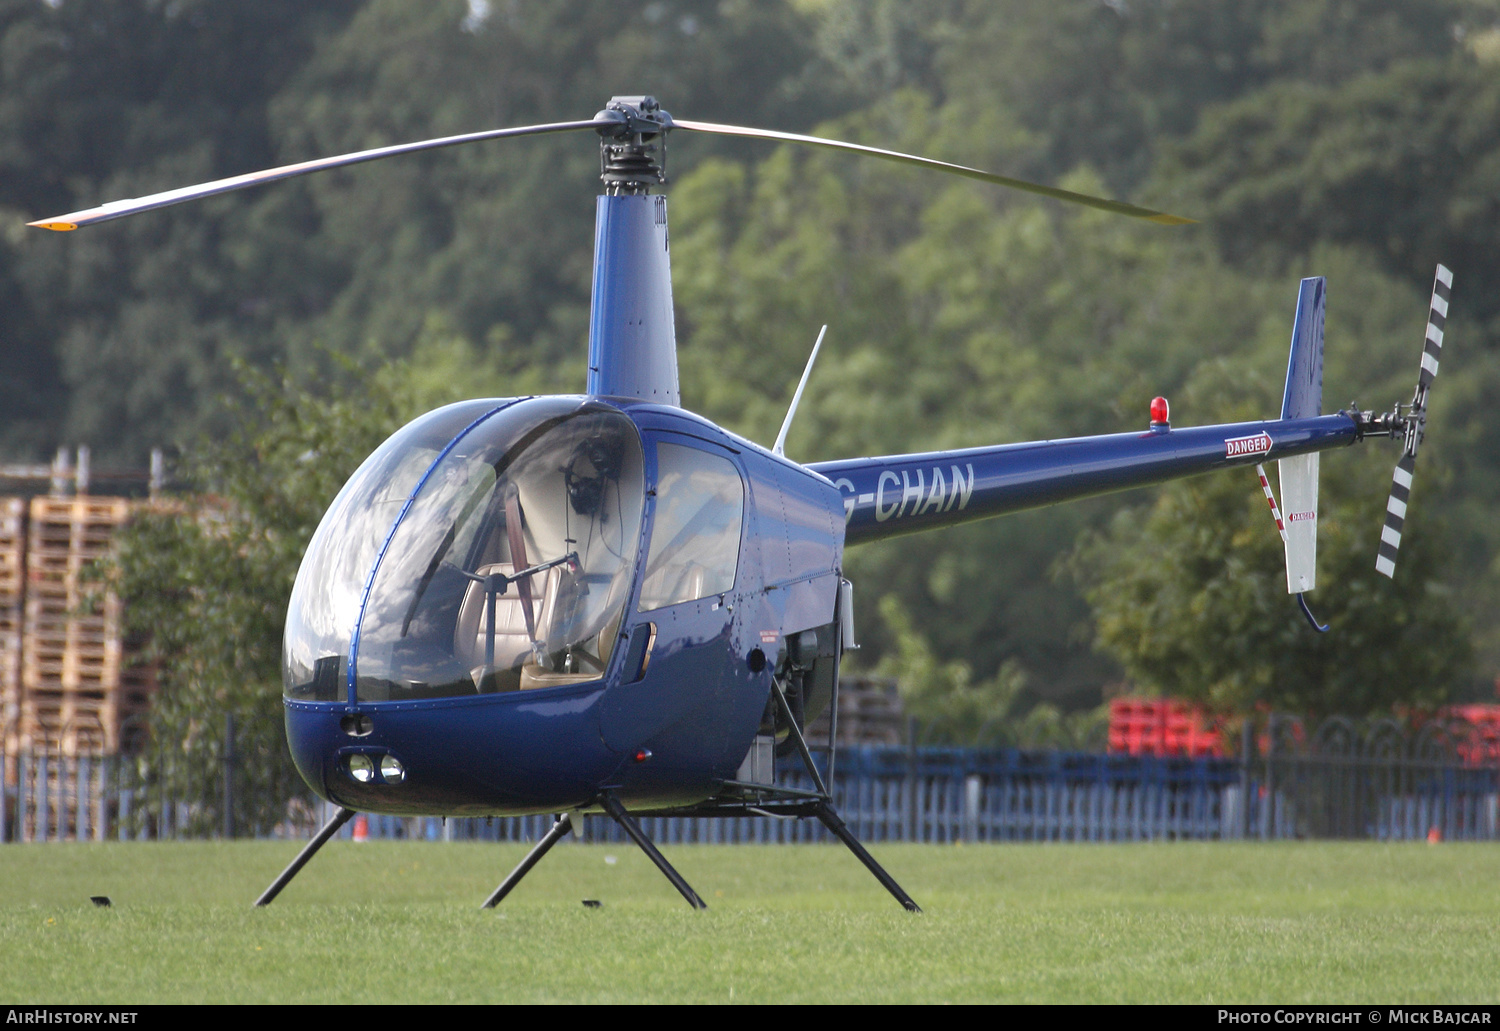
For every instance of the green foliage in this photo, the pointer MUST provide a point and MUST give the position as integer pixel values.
(1349, 138)
(944, 693)
(951, 707)
(1404, 163)
(975, 321)
(124, 334)
(205, 579)
(1189, 594)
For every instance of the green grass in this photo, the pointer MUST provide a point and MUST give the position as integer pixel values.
(399, 922)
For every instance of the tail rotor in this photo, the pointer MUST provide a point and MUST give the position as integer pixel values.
(1410, 427)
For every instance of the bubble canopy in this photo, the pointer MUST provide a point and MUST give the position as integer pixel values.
(485, 547)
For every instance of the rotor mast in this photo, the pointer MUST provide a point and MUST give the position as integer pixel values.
(632, 333)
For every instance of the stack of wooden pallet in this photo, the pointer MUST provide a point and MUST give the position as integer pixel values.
(71, 646)
(869, 714)
(12, 592)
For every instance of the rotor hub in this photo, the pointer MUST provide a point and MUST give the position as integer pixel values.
(628, 147)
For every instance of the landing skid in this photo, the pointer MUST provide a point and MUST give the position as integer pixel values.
(559, 830)
(736, 798)
(753, 800)
(308, 851)
(617, 812)
(750, 800)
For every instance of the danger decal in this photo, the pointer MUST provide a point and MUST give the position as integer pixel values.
(1245, 447)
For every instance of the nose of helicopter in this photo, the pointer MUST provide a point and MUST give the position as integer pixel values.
(491, 755)
(457, 610)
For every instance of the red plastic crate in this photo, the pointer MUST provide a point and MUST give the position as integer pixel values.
(1162, 726)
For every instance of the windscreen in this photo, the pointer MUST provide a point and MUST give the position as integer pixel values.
(336, 566)
(509, 568)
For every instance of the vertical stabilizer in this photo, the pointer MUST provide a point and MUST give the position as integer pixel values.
(1303, 399)
(1304, 369)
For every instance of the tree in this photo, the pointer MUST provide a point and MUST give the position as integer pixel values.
(122, 334)
(1403, 163)
(1189, 594)
(205, 579)
(958, 315)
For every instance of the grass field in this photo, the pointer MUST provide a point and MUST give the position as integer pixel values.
(399, 922)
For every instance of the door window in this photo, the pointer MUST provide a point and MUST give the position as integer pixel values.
(695, 541)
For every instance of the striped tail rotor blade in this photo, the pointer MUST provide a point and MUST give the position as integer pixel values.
(1437, 319)
(1416, 424)
(1395, 516)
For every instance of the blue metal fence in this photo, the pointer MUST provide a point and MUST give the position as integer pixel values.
(884, 794)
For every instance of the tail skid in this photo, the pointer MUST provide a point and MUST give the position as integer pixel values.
(894, 495)
(1265, 485)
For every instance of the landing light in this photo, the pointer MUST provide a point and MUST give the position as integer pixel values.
(391, 770)
(361, 768)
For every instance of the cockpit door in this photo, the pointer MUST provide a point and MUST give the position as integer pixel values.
(681, 654)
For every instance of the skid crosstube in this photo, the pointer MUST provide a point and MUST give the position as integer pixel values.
(762, 801)
(564, 825)
(558, 831)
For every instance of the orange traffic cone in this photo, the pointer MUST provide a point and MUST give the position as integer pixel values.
(1434, 836)
(361, 828)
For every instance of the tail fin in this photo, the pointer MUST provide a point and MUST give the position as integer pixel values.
(1303, 399)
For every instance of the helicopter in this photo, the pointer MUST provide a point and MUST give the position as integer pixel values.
(605, 604)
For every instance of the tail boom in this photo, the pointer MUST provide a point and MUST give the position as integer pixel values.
(900, 494)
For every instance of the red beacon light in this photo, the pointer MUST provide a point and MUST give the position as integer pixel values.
(1160, 414)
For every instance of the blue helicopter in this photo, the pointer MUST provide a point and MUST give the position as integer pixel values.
(606, 604)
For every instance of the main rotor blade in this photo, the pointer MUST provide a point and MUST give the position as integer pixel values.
(121, 208)
(941, 166)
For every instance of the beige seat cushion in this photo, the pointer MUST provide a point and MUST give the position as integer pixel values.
(512, 645)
